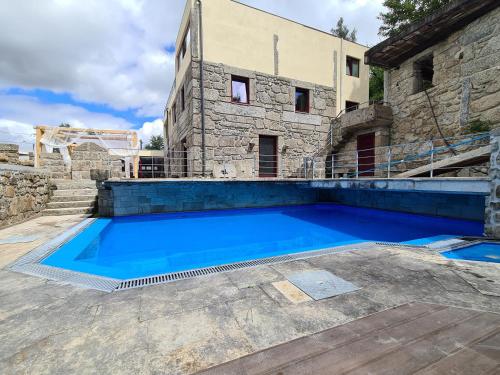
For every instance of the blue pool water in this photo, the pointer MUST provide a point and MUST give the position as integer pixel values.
(483, 252)
(137, 246)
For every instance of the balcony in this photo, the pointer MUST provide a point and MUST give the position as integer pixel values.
(372, 116)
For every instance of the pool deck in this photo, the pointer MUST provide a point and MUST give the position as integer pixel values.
(49, 327)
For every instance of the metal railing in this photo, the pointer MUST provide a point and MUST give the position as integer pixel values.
(381, 162)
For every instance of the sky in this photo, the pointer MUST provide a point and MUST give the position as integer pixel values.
(110, 64)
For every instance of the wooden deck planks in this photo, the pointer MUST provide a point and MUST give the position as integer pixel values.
(404, 340)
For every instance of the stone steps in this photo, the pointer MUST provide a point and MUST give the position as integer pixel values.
(62, 184)
(72, 204)
(68, 211)
(67, 197)
(72, 197)
(73, 192)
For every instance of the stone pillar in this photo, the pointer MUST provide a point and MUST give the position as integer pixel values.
(492, 214)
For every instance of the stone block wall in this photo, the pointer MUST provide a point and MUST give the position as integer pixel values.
(465, 87)
(89, 157)
(86, 159)
(24, 192)
(232, 130)
(492, 215)
(9, 153)
(118, 198)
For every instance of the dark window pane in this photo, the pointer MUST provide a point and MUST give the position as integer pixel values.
(352, 66)
(301, 100)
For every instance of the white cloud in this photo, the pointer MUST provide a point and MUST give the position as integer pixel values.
(21, 113)
(113, 52)
(110, 52)
(149, 129)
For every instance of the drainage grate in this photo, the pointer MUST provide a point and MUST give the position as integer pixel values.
(398, 244)
(175, 276)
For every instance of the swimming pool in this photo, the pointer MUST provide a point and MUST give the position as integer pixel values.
(482, 252)
(138, 246)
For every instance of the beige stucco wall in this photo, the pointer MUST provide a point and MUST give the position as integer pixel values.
(243, 37)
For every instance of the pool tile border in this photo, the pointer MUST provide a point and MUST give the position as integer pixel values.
(30, 264)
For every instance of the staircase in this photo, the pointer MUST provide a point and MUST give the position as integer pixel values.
(72, 197)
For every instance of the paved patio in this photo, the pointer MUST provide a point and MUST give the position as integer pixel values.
(190, 325)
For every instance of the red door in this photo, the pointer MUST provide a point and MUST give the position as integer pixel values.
(366, 154)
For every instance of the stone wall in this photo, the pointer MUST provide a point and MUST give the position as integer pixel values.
(90, 159)
(118, 198)
(9, 153)
(87, 160)
(492, 216)
(232, 130)
(465, 86)
(24, 192)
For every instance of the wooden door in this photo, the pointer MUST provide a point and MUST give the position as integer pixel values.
(366, 154)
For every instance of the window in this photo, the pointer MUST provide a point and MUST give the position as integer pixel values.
(239, 89)
(183, 46)
(424, 73)
(301, 100)
(174, 113)
(351, 106)
(352, 66)
(183, 99)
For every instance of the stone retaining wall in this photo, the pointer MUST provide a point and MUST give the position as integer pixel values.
(492, 215)
(24, 192)
(465, 86)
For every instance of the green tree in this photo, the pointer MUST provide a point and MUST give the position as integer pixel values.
(376, 83)
(155, 143)
(401, 13)
(342, 31)
(65, 125)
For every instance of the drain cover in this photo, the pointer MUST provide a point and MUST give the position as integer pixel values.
(321, 284)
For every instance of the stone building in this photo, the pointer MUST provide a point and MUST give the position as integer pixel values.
(441, 76)
(254, 93)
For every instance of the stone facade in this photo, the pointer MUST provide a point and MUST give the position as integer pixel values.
(465, 84)
(492, 216)
(24, 192)
(232, 130)
(465, 87)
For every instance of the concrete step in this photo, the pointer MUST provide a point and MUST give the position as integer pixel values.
(62, 184)
(74, 192)
(73, 198)
(72, 204)
(68, 211)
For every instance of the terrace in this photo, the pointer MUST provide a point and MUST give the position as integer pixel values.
(415, 310)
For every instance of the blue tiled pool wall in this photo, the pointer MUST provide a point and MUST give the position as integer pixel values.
(454, 205)
(171, 196)
(120, 199)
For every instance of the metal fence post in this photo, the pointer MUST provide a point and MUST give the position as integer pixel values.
(313, 161)
(254, 165)
(432, 160)
(333, 166)
(389, 160)
(357, 164)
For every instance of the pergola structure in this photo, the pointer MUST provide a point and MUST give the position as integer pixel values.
(129, 137)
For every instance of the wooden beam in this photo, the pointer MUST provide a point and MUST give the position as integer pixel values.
(136, 157)
(38, 145)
